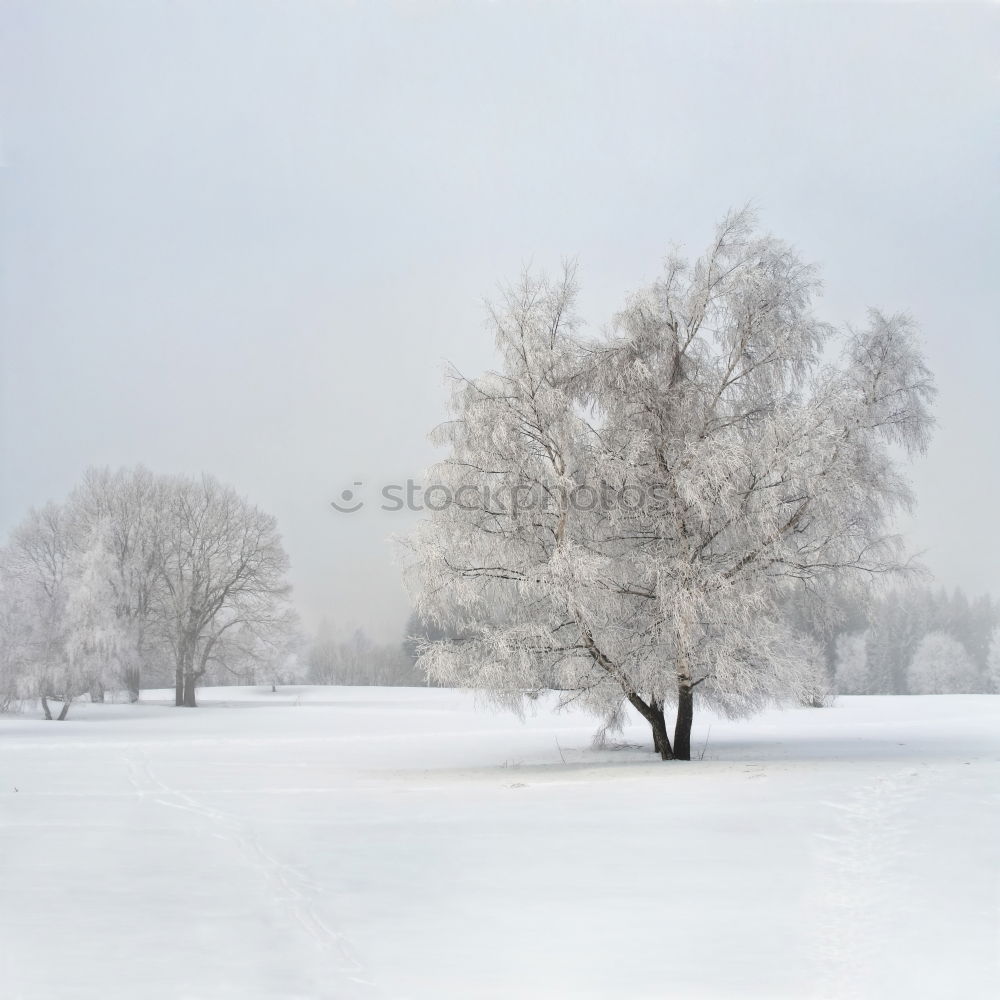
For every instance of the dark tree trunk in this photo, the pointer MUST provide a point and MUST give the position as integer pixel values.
(65, 710)
(685, 717)
(46, 709)
(133, 682)
(179, 685)
(653, 714)
(189, 699)
(661, 744)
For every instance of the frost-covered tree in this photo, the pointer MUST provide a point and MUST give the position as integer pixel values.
(15, 635)
(97, 638)
(223, 573)
(852, 674)
(895, 621)
(978, 633)
(993, 661)
(62, 635)
(126, 506)
(626, 515)
(889, 645)
(245, 655)
(37, 587)
(133, 570)
(942, 665)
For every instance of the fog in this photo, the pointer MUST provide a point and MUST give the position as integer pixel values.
(246, 237)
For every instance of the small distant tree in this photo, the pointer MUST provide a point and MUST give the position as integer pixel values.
(942, 665)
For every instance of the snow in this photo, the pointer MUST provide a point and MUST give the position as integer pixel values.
(360, 842)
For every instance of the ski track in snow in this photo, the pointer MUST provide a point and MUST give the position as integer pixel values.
(291, 890)
(863, 880)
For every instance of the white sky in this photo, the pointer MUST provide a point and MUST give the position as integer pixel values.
(244, 236)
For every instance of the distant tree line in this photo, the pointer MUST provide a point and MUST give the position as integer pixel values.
(355, 659)
(913, 640)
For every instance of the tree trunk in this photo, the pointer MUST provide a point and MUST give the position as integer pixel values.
(65, 710)
(653, 714)
(188, 695)
(682, 726)
(133, 682)
(46, 709)
(659, 726)
(179, 684)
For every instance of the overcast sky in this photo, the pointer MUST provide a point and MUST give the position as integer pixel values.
(244, 237)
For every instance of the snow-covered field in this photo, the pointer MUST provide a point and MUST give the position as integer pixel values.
(329, 842)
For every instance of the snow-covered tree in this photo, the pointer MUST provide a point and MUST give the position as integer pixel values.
(246, 655)
(993, 661)
(133, 570)
(892, 637)
(126, 507)
(977, 636)
(98, 640)
(627, 514)
(852, 674)
(37, 585)
(15, 635)
(223, 574)
(942, 665)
